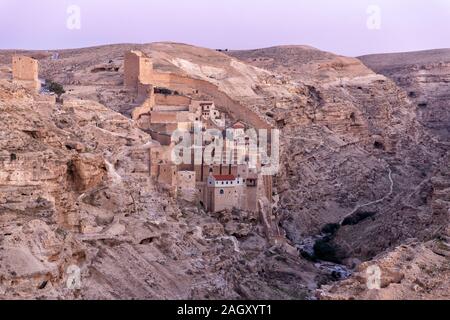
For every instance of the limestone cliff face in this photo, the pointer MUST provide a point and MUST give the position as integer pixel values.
(425, 77)
(353, 146)
(76, 199)
(354, 150)
(413, 271)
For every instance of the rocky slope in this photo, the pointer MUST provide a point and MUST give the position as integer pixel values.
(425, 76)
(353, 140)
(354, 152)
(75, 193)
(414, 270)
(359, 155)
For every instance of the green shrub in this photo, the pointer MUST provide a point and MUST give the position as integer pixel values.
(326, 251)
(54, 87)
(331, 228)
(357, 218)
(163, 91)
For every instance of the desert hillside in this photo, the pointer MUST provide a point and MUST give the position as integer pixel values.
(364, 178)
(425, 76)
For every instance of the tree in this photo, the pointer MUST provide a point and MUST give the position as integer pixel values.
(54, 87)
(326, 251)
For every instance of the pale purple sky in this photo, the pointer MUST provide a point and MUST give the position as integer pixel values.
(339, 26)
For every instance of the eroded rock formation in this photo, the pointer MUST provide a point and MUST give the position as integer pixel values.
(75, 188)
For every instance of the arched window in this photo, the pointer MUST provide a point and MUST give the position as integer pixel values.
(222, 191)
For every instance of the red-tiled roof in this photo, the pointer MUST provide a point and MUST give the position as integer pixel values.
(238, 125)
(225, 177)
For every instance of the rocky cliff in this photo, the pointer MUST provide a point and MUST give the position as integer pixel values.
(355, 146)
(360, 171)
(425, 76)
(77, 203)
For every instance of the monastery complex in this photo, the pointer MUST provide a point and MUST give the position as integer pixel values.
(231, 181)
(164, 107)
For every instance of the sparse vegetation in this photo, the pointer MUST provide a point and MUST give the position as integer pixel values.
(331, 228)
(357, 218)
(379, 145)
(422, 105)
(326, 251)
(54, 87)
(166, 91)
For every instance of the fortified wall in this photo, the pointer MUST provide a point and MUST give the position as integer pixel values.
(223, 102)
(219, 186)
(172, 100)
(139, 69)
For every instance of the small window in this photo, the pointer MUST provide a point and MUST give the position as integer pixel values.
(222, 191)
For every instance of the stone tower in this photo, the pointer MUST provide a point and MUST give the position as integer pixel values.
(137, 69)
(25, 71)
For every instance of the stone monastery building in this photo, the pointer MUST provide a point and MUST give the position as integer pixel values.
(164, 105)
